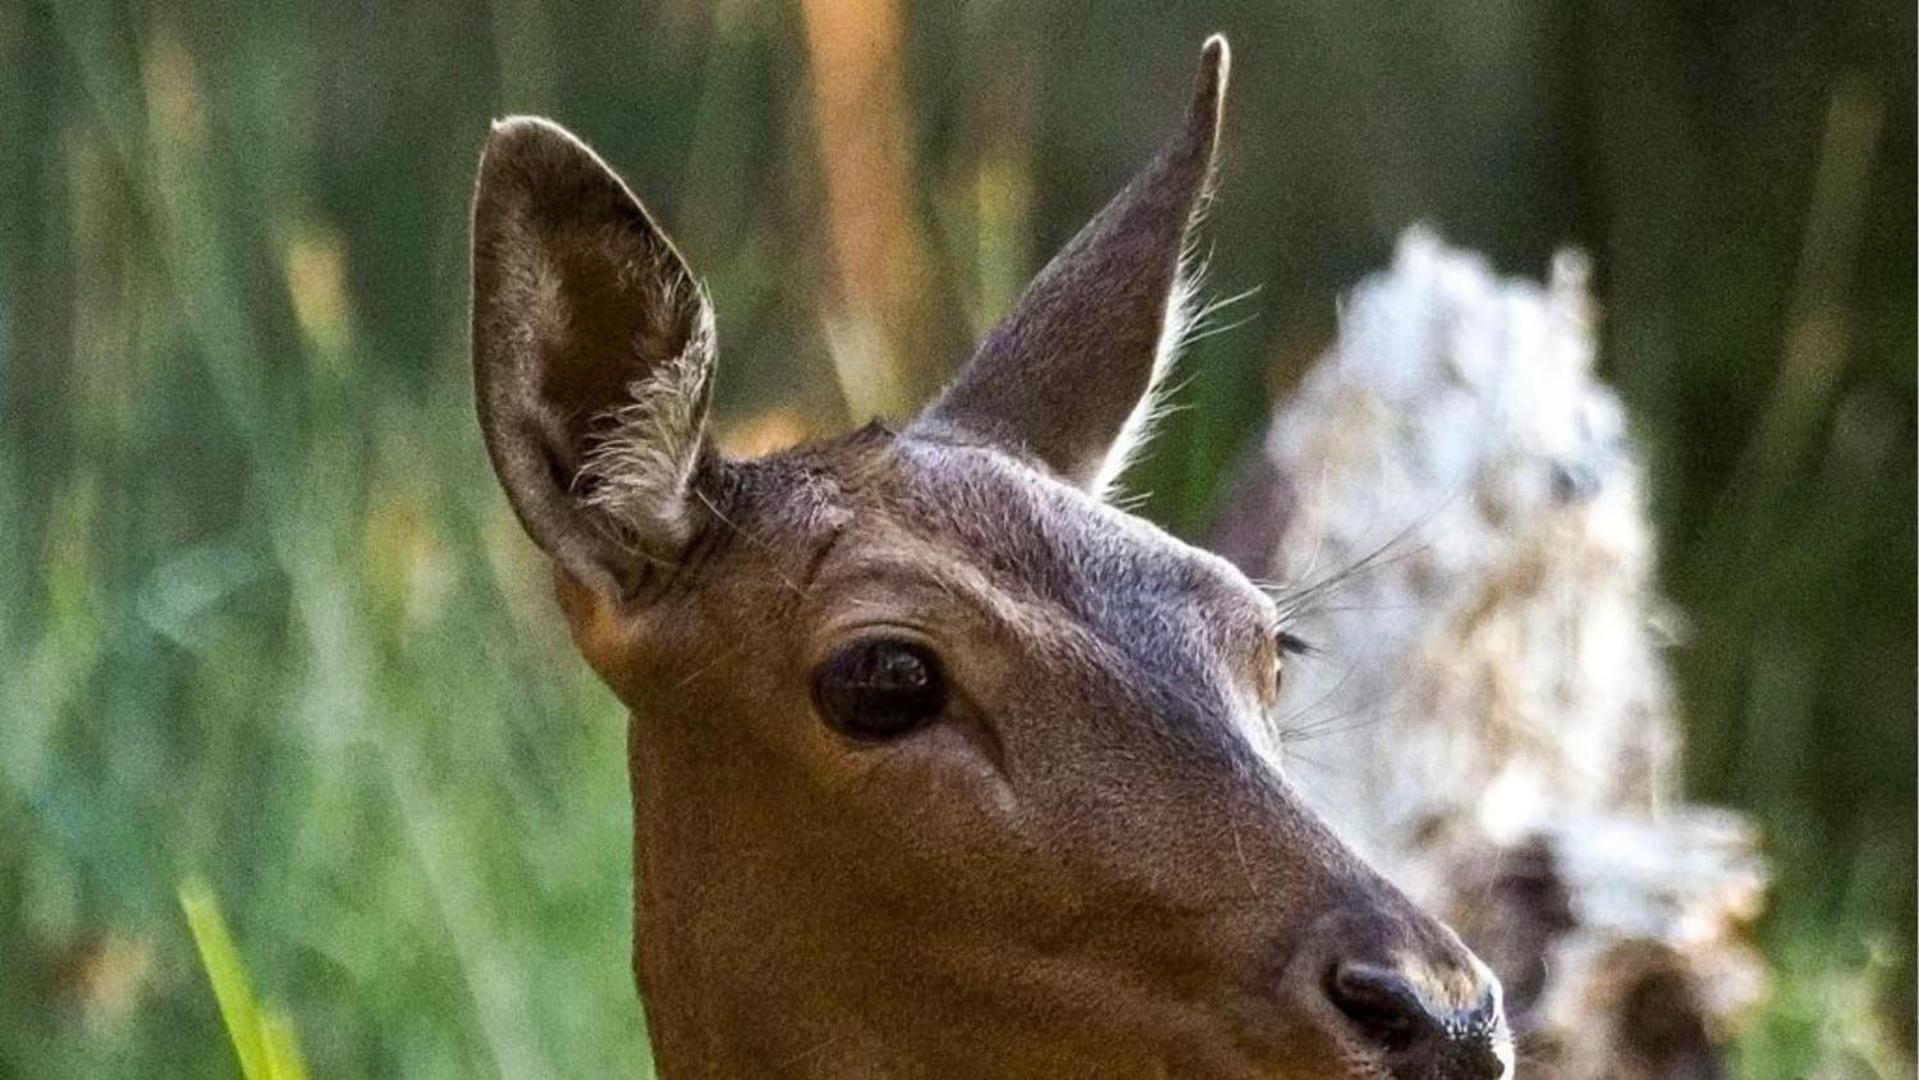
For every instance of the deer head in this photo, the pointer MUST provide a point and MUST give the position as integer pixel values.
(941, 766)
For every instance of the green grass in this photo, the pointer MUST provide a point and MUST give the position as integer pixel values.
(263, 1039)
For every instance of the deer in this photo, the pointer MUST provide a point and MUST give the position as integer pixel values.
(941, 764)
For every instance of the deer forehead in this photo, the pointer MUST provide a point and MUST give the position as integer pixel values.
(929, 524)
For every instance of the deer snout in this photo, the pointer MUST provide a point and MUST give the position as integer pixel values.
(1419, 1035)
(1400, 989)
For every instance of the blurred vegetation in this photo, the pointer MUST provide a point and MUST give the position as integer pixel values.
(264, 617)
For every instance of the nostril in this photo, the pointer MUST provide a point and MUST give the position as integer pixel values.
(1381, 1003)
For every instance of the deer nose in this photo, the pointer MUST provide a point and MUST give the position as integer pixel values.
(1417, 1035)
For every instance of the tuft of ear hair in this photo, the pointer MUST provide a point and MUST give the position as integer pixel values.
(1070, 377)
(593, 357)
(640, 470)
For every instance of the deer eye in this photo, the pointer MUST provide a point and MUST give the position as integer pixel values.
(880, 688)
(1291, 644)
(1286, 643)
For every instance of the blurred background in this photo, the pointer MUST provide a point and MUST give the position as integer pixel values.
(265, 620)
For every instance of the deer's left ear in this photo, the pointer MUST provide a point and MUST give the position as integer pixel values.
(1069, 377)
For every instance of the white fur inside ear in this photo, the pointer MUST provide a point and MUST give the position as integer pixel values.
(639, 471)
(1152, 406)
(1187, 320)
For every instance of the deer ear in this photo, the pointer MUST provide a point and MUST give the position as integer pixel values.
(592, 357)
(1069, 377)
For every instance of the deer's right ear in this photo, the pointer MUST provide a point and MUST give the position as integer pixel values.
(1072, 375)
(592, 358)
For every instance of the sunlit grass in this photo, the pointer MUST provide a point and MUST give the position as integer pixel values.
(263, 1038)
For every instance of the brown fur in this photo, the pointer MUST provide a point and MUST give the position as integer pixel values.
(1083, 867)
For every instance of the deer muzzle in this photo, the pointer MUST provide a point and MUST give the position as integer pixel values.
(1397, 991)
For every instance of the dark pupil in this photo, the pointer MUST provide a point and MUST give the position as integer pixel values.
(879, 688)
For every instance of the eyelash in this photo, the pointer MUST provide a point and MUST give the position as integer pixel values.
(1286, 643)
